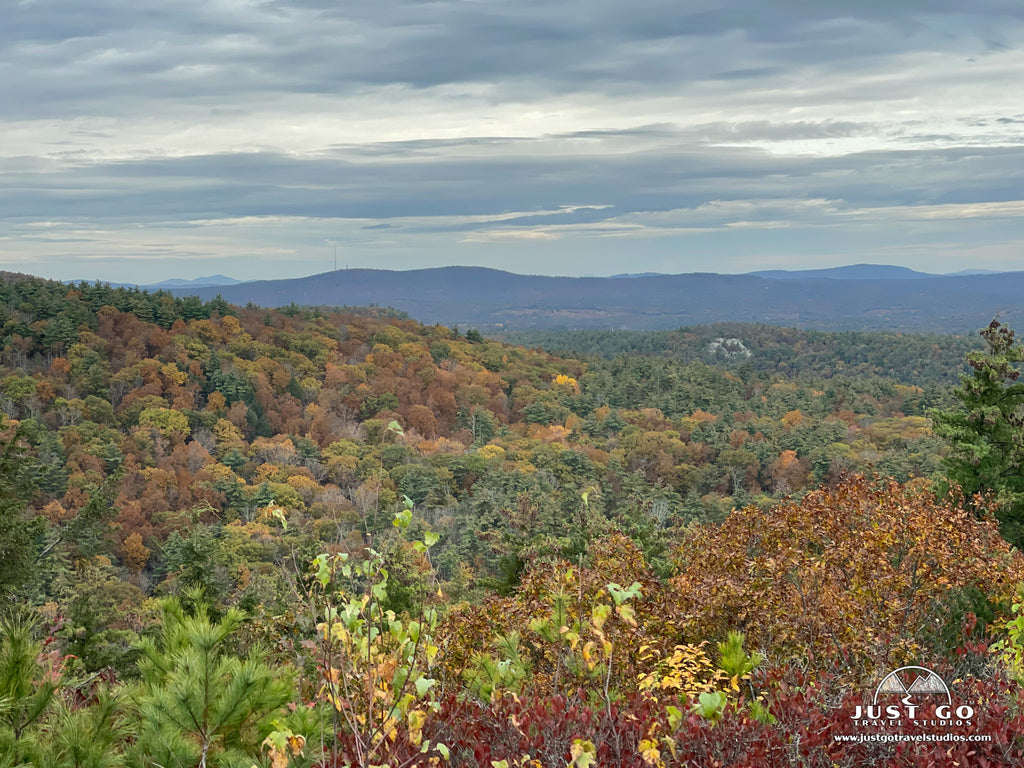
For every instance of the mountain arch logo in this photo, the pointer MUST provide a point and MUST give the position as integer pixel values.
(913, 695)
(912, 682)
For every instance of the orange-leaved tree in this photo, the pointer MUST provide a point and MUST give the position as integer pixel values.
(858, 573)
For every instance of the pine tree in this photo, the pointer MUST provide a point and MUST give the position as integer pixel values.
(986, 434)
(19, 528)
(87, 736)
(199, 705)
(26, 692)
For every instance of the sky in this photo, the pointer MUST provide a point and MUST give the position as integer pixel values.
(151, 140)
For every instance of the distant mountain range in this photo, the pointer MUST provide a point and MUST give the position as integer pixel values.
(852, 272)
(862, 272)
(862, 297)
(199, 282)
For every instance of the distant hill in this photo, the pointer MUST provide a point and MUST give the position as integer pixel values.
(198, 282)
(851, 272)
(177, 282)
(491, 300)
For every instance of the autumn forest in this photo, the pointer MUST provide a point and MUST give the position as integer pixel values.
(311, 536)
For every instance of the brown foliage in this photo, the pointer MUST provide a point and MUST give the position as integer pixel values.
(856, 572)
(136, 554)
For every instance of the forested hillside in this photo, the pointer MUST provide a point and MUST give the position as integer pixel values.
(409, 523)
(919, 359)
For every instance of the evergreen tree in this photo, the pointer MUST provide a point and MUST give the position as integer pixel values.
(986, 433)
(19, 528)
(199, 704)
(87, 736)
(26, 692)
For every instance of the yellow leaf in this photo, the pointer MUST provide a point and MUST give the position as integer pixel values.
(583, 753)
(296, 743)
(649, 752)
(587, 655)
(416, 720)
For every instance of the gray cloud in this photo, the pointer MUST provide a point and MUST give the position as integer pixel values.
(400, 185)
(67, 54)
(481, 130)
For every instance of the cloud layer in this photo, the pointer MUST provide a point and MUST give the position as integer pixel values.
(156, 140)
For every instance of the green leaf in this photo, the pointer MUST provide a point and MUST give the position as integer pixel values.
(430, 538)
(621, 594)
(323, 571)
(423, 685)
(711, 704)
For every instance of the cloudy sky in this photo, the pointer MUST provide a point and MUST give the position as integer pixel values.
(156, 139)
